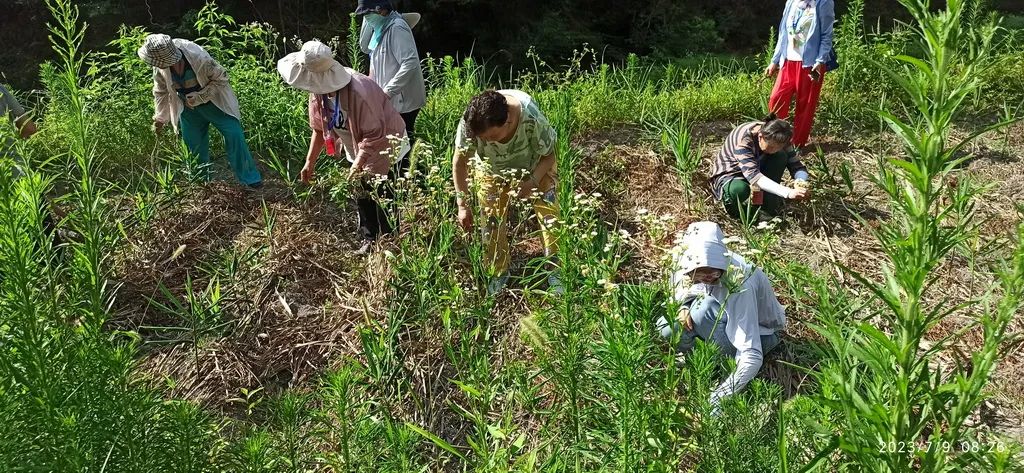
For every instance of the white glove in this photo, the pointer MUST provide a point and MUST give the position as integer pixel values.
(195, 99)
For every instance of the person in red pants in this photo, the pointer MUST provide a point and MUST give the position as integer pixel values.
(803, 53)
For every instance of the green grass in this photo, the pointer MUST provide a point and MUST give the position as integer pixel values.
(448, 378)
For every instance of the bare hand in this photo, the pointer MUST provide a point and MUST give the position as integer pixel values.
(801, 194)
(307, 172)
(526, 188)
(685, 319)
(771, 70)
(465, 217)
(355, 172)
(820, 69)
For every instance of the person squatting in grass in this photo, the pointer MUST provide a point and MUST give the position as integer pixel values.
(191, 91)
(750, 166)
(724, 300)
(803, 54)
(387, 37)
(349, 107)
(513, 150)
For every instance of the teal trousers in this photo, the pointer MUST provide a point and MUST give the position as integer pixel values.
(195, 129)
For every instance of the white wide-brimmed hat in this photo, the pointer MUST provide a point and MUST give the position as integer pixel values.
(159, 51)
(412, 19)
(314, 69)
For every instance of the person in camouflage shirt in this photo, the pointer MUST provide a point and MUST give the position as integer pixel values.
(512, 147)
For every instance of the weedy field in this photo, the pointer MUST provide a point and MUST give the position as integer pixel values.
(199, 326)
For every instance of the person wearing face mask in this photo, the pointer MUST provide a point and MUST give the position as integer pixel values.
(750, 167)
(724, 300)
(387, 37)
(803, 54)
(348, 111)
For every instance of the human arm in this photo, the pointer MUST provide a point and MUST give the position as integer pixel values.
(316, 146)
(403, 46)
(770, 186)
(533, 181)
(17, 114)
(826, 19)
(215, 75)
(779, 47)
(800, 175)
(162, 97)
(743, 333)
(460, 177)
(544, 141)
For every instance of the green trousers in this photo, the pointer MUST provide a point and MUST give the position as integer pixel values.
(195, 129)
(736, 192)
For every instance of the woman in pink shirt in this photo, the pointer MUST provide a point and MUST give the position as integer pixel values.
(349, 110)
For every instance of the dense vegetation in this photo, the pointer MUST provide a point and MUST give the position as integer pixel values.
(134, 347)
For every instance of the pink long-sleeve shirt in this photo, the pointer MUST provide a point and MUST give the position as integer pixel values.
(372, 121)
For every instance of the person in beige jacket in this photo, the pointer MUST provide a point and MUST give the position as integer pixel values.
(191, 92)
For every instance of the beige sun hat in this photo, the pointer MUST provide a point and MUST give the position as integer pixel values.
(412, 19)
(159, 51)
(314, 69)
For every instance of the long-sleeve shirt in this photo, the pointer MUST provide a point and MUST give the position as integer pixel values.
(395, 64)
(372, 122)
(211, 77)
(741, 156)
(751, 312)
(818, 46)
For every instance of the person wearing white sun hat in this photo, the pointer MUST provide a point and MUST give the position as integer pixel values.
(706, 277)
(349, 109)
(191, 92)
(386, 36)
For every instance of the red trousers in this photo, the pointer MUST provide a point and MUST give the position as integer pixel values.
(794, 79)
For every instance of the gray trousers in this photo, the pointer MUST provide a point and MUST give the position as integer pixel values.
(709, 325)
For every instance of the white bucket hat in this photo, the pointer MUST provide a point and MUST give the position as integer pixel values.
(159, 51)
(314, 69)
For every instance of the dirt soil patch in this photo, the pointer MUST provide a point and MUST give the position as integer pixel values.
(835, 227)
(278, 293)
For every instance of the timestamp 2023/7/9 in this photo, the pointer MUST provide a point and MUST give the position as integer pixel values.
(962, 446)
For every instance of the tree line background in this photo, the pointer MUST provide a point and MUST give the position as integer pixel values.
(497, 32)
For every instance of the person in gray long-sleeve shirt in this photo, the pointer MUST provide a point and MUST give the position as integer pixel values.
(726, 301)
(386, 36)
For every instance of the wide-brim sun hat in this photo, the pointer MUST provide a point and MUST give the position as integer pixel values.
(314, 69)
(412, 19)
(159, 51)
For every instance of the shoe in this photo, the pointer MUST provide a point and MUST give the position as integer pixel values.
(255, 185)
(496, 284)
(555, 285)
(365, 249)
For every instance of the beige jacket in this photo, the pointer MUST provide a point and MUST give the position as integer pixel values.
(211, 76)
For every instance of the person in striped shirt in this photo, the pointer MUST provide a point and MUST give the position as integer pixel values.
(759, 153)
